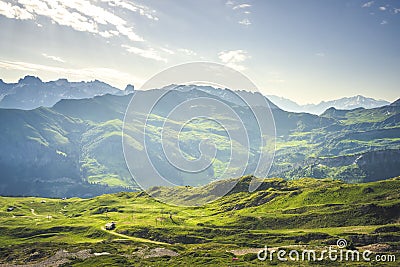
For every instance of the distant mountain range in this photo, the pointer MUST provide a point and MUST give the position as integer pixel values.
(346, 103)
(30, 92)
(253, 98)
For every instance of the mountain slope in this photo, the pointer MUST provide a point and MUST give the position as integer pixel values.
(42, 154)
(286, 104)
(396, 103)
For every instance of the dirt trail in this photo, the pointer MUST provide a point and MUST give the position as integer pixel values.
(34, 213)
(137, 239)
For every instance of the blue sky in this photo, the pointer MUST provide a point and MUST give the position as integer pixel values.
(306, 51)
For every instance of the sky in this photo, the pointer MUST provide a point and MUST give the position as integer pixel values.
(307, 51)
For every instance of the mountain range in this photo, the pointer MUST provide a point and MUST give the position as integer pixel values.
(74, 148)
(353, 102)
(30, 92)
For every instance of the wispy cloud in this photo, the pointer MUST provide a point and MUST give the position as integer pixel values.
(242, 9)
(368, 4)
(150, 53)
(81, 15)
(241, 6)
(234, 58)
(58, 59)
(383, 22)
(129, 5)
(111, 76)
(320, 54)
(382, 8)
(246, 22)
(166, 50)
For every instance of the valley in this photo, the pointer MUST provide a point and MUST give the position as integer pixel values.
(69, 144)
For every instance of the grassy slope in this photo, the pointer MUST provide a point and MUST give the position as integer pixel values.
(304, 212)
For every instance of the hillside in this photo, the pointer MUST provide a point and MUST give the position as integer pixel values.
(307, 212)
(42, 154)
(70, 144)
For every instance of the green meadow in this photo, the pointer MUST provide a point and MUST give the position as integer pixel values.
(303, 214)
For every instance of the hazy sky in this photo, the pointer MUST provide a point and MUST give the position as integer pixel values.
(307, 51)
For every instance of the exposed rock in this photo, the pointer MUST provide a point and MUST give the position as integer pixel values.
(146, 253)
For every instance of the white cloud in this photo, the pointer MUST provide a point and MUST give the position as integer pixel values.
(106, 34)
(129, 33)
(382, 8)
(129, 5)
(229, 3)
(184, 51)
(383, 22)
(396, 10)
(58, 59)
(146, 53)
(368, 4)
(81, 15)
(111, 76)
(320, 54)
(245, 22)
(233, 58)
(14, 12)
(60, 14)
(187, 51)
(241, 6)
(166, 50)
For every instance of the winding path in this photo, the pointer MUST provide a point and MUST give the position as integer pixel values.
(34, 213)
(137, 239)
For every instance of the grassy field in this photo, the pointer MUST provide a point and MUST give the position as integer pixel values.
(302, 214)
